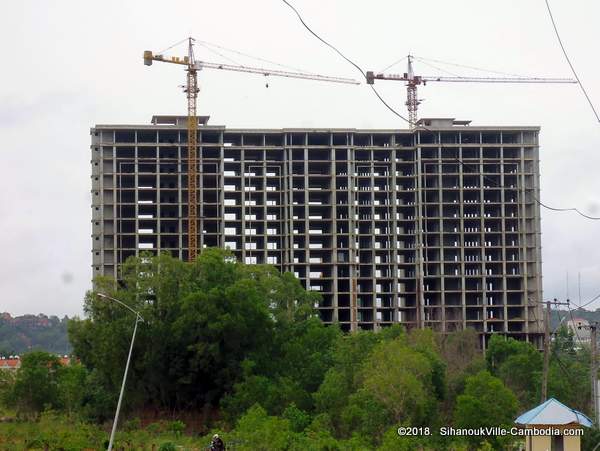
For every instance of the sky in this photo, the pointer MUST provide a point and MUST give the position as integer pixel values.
(68, 65)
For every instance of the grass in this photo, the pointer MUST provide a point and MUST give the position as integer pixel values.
(56, 431)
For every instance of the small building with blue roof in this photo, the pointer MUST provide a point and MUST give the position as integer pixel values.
(552, 426)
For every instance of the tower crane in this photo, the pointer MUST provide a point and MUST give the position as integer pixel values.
(412, 81)
(192, 66)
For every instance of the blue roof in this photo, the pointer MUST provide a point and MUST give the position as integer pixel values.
(553, 412)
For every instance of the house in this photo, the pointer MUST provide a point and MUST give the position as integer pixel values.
(552, 426)
(11, 363)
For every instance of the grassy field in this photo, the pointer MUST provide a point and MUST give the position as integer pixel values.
(58, 432)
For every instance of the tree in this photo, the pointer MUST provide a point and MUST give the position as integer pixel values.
(401, 379)
(486, 402)
(36, 384)
(71, 386)
(460, 351)
(366, 416)
(205, 326)
(519, 365)
(7, 381)
(568, 377)
(258, 431)
(344, 378)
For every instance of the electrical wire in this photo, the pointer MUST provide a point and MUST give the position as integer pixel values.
(569, 61)
(573, 321)
(593, 218)
(587, 303)
(560, 363)
(336, 50)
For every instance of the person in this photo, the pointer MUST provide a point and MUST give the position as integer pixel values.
(217, 444)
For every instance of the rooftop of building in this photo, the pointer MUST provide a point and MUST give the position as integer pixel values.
(438, 124)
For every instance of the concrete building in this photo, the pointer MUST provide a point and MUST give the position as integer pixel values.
(434, 227)
(580, 329)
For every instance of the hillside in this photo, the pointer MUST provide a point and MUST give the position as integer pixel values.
(565, 315)
(20, 334)
(49, 333)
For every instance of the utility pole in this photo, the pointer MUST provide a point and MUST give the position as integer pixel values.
(594, 371)
(593, 328)
(547, 346)
(546, 351)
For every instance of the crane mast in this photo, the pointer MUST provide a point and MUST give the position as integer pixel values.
(191, 91)
(412, 101)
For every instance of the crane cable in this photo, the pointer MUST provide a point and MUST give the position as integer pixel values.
(594, 218)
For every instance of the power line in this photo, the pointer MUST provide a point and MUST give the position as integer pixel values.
(588, 302)
(560, 363)
(573, 321)
(593, 218)
(345, 58)
(336, 50)
(569, 61)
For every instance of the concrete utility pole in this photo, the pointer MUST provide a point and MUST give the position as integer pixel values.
(547, 346)
(593, 328)
(546, 352)
(594, 371)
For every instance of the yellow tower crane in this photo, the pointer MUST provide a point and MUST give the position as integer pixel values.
(192, 66)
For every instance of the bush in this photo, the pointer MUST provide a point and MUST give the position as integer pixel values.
(177, 427)
(132, 425)
(156, 428)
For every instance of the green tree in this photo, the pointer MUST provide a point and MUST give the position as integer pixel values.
(206, 325)
(568, 377)
(292, 368)
(365, 416)
(486, 402)
(71, 386)
(298, 419)
(36, 384)
(519, 365)
(7, 381)
(463, 358)
(258, 431)
(401, 379)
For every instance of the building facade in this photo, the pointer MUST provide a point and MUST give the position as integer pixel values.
(433, 227)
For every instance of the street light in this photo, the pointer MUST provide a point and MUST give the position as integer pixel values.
(138, 318)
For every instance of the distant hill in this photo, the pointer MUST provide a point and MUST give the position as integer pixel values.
(20, 334)
(564, 315)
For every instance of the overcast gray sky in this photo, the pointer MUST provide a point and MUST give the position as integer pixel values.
(67, 65)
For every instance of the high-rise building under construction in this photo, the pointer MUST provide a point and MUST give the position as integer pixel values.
(436, 226)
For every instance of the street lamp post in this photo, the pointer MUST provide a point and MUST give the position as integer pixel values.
(138, 318)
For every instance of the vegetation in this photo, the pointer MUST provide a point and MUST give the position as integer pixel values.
(33, 332)
(243, 346)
